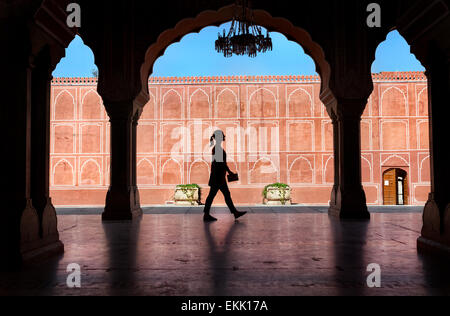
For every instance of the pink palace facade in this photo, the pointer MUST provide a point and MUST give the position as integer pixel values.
(277, 130)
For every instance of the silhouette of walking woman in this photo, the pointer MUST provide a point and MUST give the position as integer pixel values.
(217, 180)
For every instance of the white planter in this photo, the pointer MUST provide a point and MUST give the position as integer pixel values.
(186, 197)
(278, 196)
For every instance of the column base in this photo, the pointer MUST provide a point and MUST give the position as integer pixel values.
(428, 246)
(435, 237)
(122, 206)
(350, 206)
(42, 253)
(33, 247)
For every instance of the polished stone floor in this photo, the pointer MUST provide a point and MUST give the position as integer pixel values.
(271, 251)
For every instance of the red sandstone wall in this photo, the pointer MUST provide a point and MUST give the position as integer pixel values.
(277, 131)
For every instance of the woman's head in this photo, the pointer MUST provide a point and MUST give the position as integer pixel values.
(218, 136)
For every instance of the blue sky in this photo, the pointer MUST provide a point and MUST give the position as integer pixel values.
(195, 55)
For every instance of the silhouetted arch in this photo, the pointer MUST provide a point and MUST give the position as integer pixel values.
(223, 15)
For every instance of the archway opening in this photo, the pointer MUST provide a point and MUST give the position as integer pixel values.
(276, 127)
(395, 125)
(79, 146)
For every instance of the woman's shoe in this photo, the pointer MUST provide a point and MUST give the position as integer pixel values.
(208, 218)
(238, 214)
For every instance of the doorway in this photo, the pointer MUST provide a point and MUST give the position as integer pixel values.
(395, 187)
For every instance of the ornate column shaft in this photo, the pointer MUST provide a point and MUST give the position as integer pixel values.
(40, 151)
(350, 200)
(121, 200)
(436, 217)
(21, 222)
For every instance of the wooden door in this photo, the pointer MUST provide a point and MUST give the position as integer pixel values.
(390, 187)
(395, 187)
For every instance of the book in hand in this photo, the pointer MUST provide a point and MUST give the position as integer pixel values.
(233, 177)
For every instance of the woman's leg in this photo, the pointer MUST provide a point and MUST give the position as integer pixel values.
(227, 195)
(209, 200)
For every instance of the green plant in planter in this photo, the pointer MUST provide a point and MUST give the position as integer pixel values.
(282, 187)
(188, 190)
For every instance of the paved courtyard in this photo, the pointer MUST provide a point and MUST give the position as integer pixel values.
(271, 251)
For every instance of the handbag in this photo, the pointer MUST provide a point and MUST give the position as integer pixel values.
(233, 177)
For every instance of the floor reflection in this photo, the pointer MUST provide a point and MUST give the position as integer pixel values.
(122, 242)
(349, 241)
(220, 252)
(436, 274)
(263, 254)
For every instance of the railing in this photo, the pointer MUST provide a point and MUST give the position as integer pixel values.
(383, 76)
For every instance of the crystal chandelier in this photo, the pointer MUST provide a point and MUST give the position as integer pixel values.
(244, 37)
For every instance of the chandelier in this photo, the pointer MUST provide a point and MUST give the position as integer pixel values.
(244, 37)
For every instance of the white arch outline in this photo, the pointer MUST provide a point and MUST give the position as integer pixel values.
(152, 98)
(405, 104)
(82, 105)
(198, 90)
(419, 95)
(421, 167)
(164, 165)
(254, 166)
(324, 174)
(383, 164)
(199, 160)
(216, 105)
(288, 105)
(310, 166)
(55, 101)
(249, 115)
(54, 171)
(145, 160)
(371, 170)
(99, 169)
(163, 100)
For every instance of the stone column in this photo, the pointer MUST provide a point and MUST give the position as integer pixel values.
(333, 199)
(121, 200)
(20, 232)
(136, 196)
(436, 217)
(348, 199)
(40, 152)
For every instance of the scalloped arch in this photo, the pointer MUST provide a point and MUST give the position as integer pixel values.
(223, 15)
